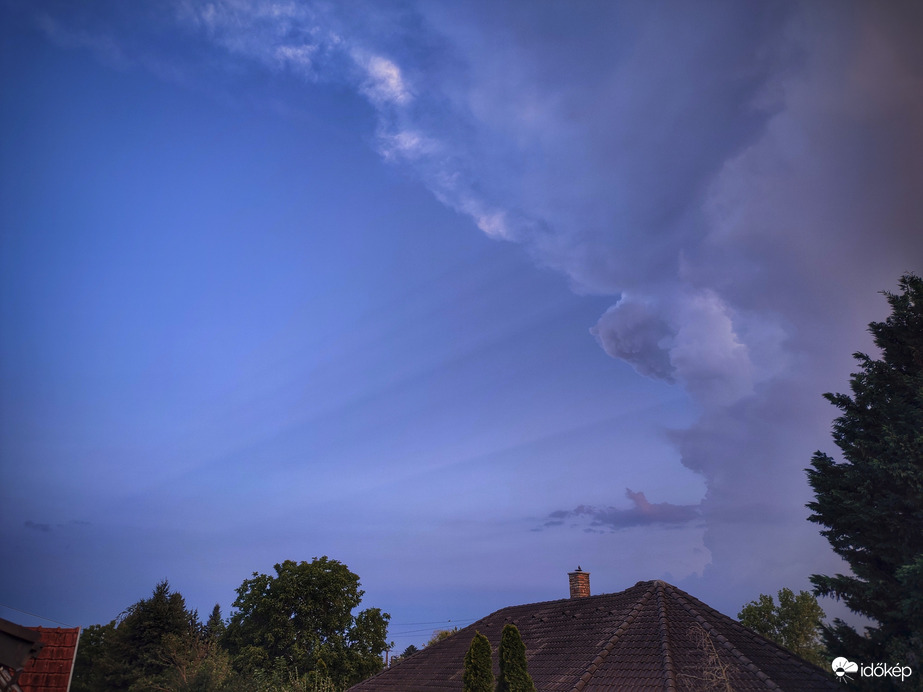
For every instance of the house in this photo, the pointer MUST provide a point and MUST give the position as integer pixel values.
(652, 636)
(36, 659)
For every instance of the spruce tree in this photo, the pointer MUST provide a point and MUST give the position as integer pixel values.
(514, 675)
(871, 502)
(478, 675)
(138, 648)
(215, 627)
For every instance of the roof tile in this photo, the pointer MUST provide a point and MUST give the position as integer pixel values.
(50, 671)
(652, 636)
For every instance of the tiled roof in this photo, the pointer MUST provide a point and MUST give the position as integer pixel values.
(652, 636)
(50, 671)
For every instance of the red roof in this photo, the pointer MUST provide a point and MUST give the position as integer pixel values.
(50, 671)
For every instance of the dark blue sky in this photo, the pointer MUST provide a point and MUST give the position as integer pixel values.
(460, 295)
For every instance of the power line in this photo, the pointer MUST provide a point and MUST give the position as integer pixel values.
(441, 622)
(40, 617)
(436, 622)
(398, 634)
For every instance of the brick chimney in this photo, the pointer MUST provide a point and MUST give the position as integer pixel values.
(579, 583)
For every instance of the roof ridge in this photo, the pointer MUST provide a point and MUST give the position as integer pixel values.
(664, 628)
(626, 623)
(680, 597)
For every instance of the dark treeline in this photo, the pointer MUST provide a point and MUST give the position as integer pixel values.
(292, 632)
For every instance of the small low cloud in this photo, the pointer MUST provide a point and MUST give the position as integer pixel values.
(688, 337)
(36, 526)
(633, 331)
(299, 58)
(642, 513)
(494, 225)
(384, 82)
(48, 528)
(406, 144)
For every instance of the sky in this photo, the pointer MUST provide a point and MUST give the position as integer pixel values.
(462, 295)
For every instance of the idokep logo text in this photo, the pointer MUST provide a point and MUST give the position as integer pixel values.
(844, 669)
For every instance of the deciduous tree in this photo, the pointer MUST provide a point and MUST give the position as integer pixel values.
(794, 623)
(871, 501)
(303, 616)
(439, 635)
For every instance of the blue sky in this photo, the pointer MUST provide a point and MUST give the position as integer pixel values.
(460, 295)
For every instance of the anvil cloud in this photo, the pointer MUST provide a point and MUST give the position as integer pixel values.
(457, 269)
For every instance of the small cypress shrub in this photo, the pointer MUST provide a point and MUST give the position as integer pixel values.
(514, 675)
(478, 675)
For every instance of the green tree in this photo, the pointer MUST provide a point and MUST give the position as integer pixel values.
(439, 635)
(303, 618)
(156, 644)
(871, 502)
(478, 675)
(282, 678)
(514, 674)
(215, 628)
(144, 626)
(409, 651)
(193, 663)
(794, 623)
(95, 666)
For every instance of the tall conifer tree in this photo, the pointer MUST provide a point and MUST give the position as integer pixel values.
(871, 502)
(478, 676)
(514, 675)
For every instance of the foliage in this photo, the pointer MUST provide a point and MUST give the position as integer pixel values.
(478, 675)
(281, 677)
(794, 623)
(871, 503)
(94, 665)
(303, 617)
(192, 664)
(215, 627)
(439, 635)
(157, 644)
(514, 674)
(409, 651)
